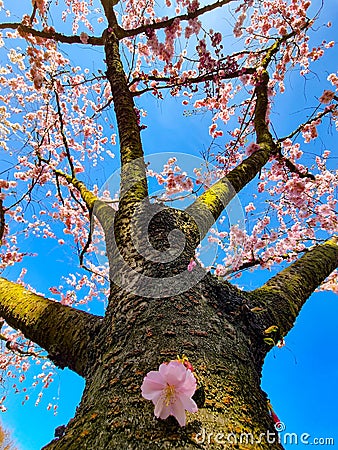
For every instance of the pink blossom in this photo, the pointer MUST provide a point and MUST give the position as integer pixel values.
(84, 38)
(252, 148)
(170, 389)
(326, 97)
(191, 265)
(250, 207)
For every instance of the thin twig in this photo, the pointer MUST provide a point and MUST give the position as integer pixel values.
(62, 131)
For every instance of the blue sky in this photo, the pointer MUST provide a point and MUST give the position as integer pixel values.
(300, 378)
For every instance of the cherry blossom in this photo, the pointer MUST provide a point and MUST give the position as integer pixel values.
(326, 97)
(170, 389)
(191, 265)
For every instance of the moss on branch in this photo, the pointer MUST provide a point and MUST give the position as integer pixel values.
(101, 210)
(65, 333)
(207, 208)
(285, 294)
(133, 173)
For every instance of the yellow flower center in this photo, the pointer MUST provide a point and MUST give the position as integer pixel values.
(169, 394)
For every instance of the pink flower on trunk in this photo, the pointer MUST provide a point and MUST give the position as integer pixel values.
(170, 389)
(191, 265)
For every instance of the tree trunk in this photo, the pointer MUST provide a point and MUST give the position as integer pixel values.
(213, 325)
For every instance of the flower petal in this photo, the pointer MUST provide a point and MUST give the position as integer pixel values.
(161, 410)
(152, 386)
(171, 389)
(175, 373)
(188, 404)
(178, 412)
(188, 387)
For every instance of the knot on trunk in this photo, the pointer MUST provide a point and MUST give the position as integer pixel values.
(152, 247)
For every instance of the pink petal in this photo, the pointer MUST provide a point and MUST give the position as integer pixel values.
(188, 387)
(163, 369)
(152, 386)
(175, 373)
(178, 412)
(161, 410)
(152, 395)
(188, 404)
(156, 377)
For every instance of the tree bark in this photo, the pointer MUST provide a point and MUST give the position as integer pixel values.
(224, 335)
(64, 332)
(212, 325)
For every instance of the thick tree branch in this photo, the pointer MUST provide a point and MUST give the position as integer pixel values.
(102, 211)
(210, 205)
(133, 174)
(207, 208)
(110, 15)
(284, 295)
(49, 34)
(65, 333)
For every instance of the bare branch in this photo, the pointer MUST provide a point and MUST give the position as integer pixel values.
(89, 239)
(318, 116)
(62, 131)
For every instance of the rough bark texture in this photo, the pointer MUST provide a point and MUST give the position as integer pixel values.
(212, 324)
(218, 327)
(133, 177)
(64, 332)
